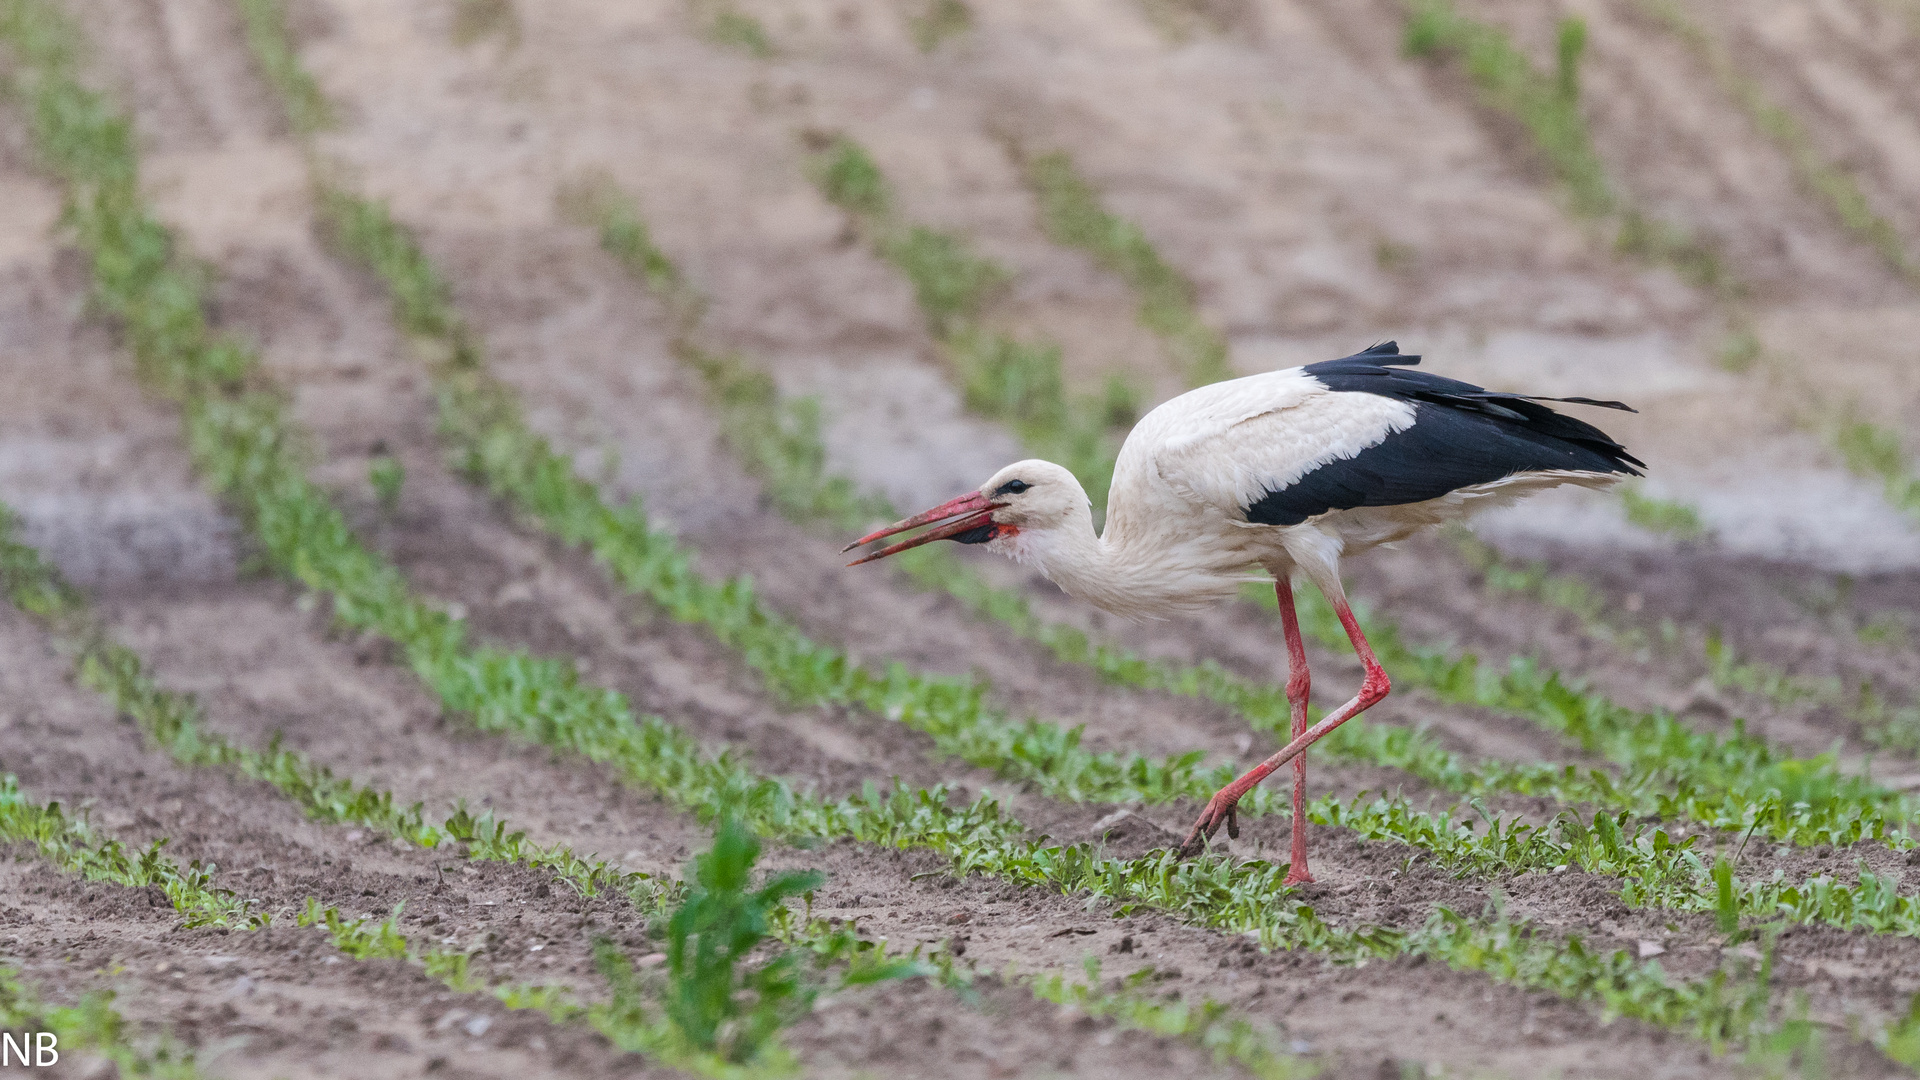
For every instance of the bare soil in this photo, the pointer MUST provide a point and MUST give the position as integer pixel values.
(1321, 190)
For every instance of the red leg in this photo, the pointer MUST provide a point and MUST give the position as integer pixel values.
(1220, 809)
(1299, 682)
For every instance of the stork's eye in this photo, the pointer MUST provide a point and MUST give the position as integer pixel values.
(1012, 487)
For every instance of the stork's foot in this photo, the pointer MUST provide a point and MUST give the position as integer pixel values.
(1298, 874)
(1223, 808)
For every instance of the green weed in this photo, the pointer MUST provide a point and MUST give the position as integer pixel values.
(939, 20)
(1074, 215)
(306, 107)
(1875, 452)
(386, 476)
(1676, 519)
(728, 26)
(716, 927)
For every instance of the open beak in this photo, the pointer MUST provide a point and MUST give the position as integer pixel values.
(968, 512)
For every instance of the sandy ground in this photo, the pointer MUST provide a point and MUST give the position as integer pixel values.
(1272, 161)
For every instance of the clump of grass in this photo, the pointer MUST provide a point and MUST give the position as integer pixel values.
(1666, 516)
(728, 26)
(939, 20)
(1547, 105)
(950, 282)
(387, 476)
(1875, 452)
(848, 176)
(1074, 215)
(475, 21)
(306, 107)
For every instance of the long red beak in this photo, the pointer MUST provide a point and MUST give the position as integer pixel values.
(970, 511)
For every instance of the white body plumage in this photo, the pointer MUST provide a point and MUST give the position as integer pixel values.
(1177, 536)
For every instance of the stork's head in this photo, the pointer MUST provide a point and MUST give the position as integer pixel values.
(1020, 508)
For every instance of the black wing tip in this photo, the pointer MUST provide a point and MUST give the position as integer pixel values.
(1386, 352)
(1620, 405)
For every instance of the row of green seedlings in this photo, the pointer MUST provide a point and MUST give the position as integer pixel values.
(241, 439)
(780, 442)
(789, 444)
(519, 467)
(1828, 180)
(1883, 723)
(172, 722)
(92, 1024)
(1018, 383)
(1073, 213)
(1547, 105)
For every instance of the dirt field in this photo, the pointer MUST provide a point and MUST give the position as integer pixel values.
(1321, 190)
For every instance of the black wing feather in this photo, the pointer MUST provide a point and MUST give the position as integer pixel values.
(1462, 435)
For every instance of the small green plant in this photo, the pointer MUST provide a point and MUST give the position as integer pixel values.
(476, 20)
(1875, 452)
(728, 26)
(950, 282)
(1570, 43)
(1650, 240)
(387, 476)
(266, 20)
(1074, 215)
(1741, 352)
(847, 176)
(715, 1005)
(1673, 518)
(938, 21)
(94, 1025)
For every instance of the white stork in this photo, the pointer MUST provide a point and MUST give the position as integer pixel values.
(1279, 472)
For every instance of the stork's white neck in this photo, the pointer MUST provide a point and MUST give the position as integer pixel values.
(1136, 570)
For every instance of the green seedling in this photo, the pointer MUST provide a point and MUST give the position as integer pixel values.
(728, 26)
(73, 846)
(1875, 452)
(712, 1004)
(1570, 43)
(847, 175)
(306, 108)
(387, 476)
(939, 20)
(1669, 516)
(1074, 215)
